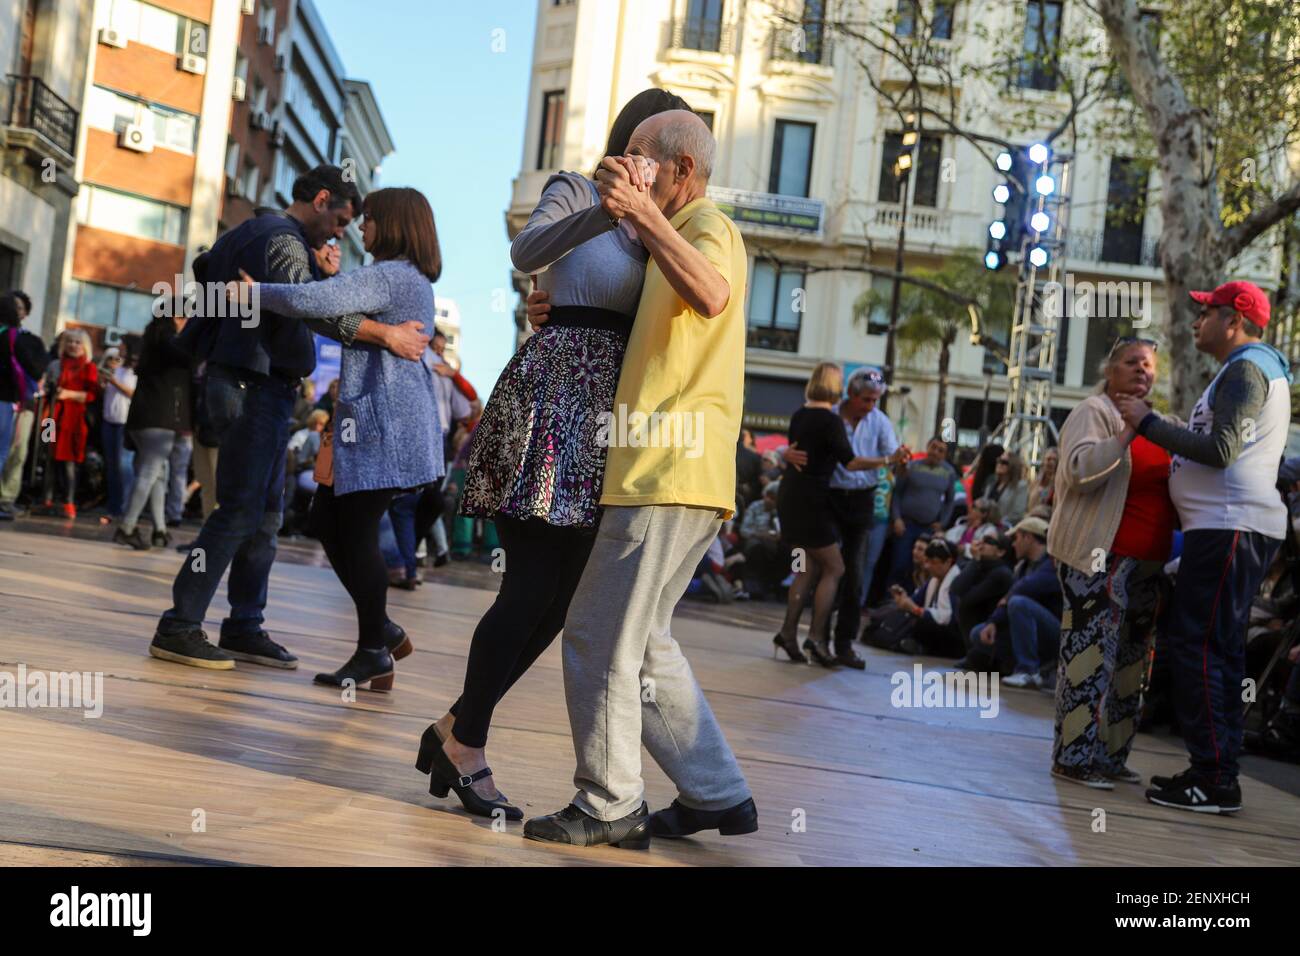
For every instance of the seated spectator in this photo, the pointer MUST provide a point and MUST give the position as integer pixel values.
(983, 582)
(1023, 631)
(919, 576)
(1008, 487)
(300, 467)
(765, 563)
(1043, 491)
(935, 631)
(981, 522)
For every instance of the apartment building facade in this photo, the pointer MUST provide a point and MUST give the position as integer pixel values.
(805, 165)
(151, 156)
(43, 45)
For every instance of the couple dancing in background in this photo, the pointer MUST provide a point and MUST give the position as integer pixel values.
(640, 307)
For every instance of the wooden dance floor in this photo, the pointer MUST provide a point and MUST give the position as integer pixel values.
(286, 773)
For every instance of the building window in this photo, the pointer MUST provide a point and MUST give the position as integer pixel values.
(707, 116)
(703, 27)
(287, 170)
(775, 306)
(248, 183)
(310, 109)
(1121, 240)
(905, 18)
(153, 26)
(91, 303)
(1038, 68)
(111, 111)
(115, 211)
(923, 179)
(232, 158)
(941, 25)
(549, 142)
(792, 151)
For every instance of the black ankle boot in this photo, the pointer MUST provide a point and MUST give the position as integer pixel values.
(395, 639)
(374, 668)
(681, 821)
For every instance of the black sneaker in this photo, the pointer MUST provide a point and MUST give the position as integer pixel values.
(681, 821)
(1195, 793)
(1164, 783)
(190, 647)
(161, 539)
(6, 513)
(846, 656)
(133, 540)
(576, 828)
(257, 649)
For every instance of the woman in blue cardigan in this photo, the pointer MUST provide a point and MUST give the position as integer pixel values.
(386, 435)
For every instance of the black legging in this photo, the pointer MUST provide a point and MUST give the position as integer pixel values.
(544, 563)
(347, 526)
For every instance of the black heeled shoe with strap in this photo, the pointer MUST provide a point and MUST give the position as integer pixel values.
(444, 777)
(791, 649)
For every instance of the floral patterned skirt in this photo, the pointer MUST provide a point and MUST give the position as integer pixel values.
(535, 453)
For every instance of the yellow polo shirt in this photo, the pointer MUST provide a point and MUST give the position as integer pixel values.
(672, 435)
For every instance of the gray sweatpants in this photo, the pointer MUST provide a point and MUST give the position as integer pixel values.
(625, 679)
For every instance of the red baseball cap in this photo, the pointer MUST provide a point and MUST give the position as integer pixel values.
(1244, 297)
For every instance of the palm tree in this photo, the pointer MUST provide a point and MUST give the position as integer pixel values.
(929, 320)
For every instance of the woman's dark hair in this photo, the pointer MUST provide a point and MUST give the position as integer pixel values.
(331, 178)
(8, 310)
(641, 107)
(404, 229)
(22, 297)
(940, 549)
(984, 466)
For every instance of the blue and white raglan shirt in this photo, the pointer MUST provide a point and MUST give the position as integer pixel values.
(1223, 473)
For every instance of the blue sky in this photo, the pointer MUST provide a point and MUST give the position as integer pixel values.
(456, 110)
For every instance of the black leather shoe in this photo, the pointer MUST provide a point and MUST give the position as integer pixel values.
(395, 639)
(681, 821)
(133, 540)
(819, 652)
(373, 668)
(576, 828)
(443, 777)
(257, 649)
(161, 539)
(846, 656)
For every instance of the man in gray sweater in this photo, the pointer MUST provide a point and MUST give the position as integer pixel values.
(924, 495)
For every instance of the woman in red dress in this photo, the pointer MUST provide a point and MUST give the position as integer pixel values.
(75, 383)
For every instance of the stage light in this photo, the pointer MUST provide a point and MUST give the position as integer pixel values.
(1004, 161)
(1045, 185)
(1038, 153)
(1001, 193)
(909, 138)
(1040, 222)
(992, 259)
(1038, 257)
(998, 230)
(904, 162)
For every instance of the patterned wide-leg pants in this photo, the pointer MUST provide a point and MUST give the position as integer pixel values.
(1106, 629)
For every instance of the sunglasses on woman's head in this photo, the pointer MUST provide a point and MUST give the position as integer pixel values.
(1124, 340)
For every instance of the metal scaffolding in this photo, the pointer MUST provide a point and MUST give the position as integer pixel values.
(1035, 323)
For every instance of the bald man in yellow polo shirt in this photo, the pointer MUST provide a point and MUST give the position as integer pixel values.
(670, 479)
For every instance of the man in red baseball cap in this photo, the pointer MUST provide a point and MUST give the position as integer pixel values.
(1222, 480)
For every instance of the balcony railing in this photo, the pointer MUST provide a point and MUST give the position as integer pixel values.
(778, 340)
(703, 33)
(34, 106)
(1113, 246)
(801, 43)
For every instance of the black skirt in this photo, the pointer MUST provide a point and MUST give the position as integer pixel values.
(803, 505)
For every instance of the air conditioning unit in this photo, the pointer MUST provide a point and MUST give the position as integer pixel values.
(266, 35)
(136, 137)
(110, 37)
(259, 119)
(192, 63)
(239, 89)
(247, 7)
(277, 136)
(232, 187)
(281, 62)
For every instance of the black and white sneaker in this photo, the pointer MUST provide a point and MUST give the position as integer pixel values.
(257, 649)
(576, 828)
(1199, 796)
(1164, 783)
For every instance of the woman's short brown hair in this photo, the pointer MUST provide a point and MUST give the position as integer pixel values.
(825, 384)
(404, 229)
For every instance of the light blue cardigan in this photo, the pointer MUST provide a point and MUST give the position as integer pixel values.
(386, 429)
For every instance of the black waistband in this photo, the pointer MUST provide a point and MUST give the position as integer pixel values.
(589, 317)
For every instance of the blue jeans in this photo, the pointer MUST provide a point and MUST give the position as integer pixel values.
(111, 435)
(7, 418)
(402, 513)
(251, 414)
(1035, 633)
(875, 548)
(179, 465)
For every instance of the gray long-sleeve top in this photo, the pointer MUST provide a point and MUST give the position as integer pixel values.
(587, 259)
(1238, 397)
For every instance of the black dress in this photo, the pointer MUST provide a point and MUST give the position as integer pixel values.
(803, 502)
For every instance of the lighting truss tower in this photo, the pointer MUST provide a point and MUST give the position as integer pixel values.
(1035, 324)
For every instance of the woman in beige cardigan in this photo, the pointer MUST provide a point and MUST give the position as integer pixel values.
(1111, 531)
